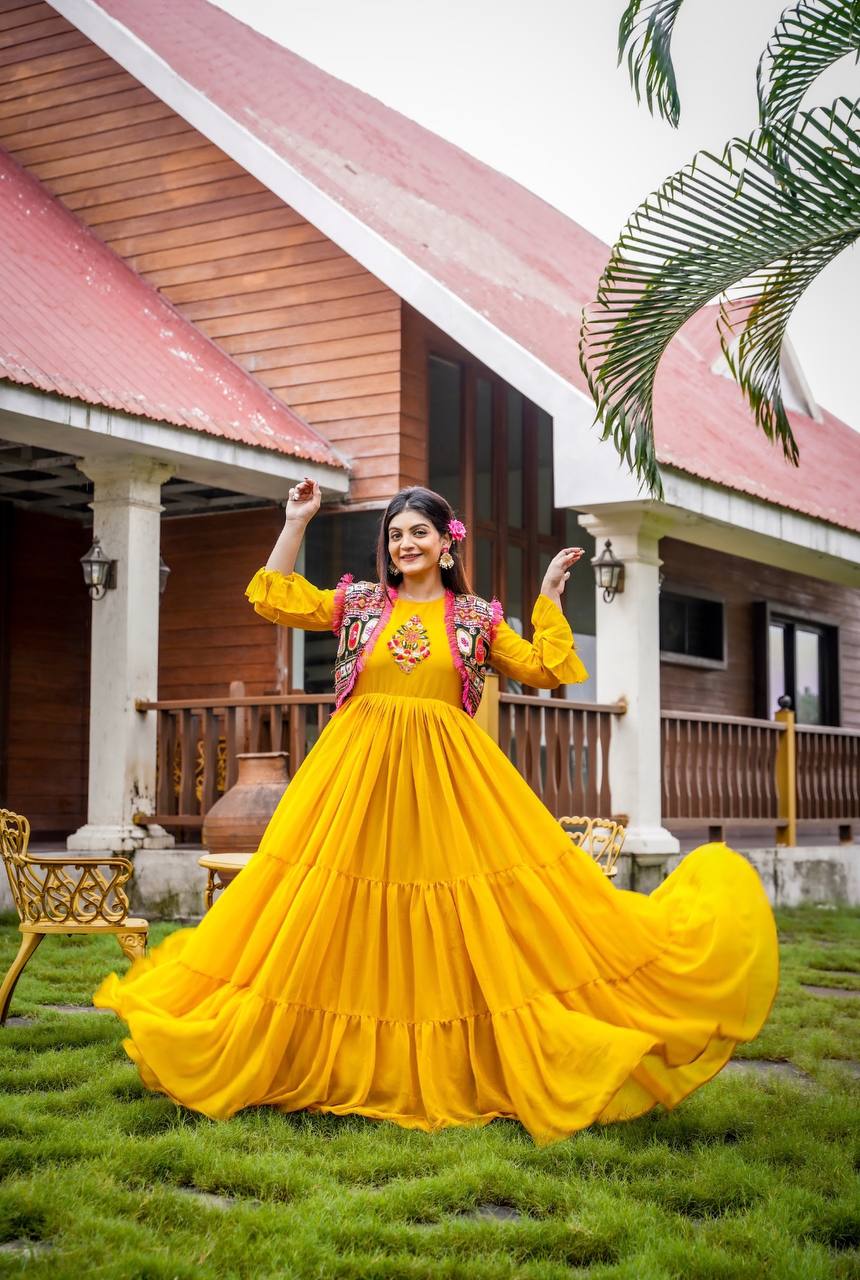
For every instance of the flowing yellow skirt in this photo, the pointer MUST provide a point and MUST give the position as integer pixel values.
(417, 940)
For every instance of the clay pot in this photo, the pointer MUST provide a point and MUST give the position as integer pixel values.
(236, 822)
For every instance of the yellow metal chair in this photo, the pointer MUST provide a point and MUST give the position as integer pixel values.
(221, 869)
(602, 838)
(69, 893)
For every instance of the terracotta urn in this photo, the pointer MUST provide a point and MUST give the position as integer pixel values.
(236, 822)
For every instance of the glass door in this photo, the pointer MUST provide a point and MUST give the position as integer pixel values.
(803, 663)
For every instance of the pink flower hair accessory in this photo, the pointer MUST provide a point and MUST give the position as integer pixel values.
(457, 530)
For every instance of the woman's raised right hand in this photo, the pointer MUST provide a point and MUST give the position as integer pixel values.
(304, 501)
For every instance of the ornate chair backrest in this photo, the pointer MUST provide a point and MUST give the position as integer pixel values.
(51, 890)
(601, 838)
(14, 838)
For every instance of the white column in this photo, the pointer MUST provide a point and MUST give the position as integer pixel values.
(124, 656)
(628, 667)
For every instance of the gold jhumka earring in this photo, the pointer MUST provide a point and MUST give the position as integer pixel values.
(446, 560)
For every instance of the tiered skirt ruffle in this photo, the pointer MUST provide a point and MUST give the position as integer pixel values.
(509, 979)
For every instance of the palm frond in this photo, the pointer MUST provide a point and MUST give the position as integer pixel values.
(645, 34)
(809, 37)
(717, 223)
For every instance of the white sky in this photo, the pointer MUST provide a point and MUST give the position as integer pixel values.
(533, 89)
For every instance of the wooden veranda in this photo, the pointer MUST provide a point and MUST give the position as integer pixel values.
(718, 771)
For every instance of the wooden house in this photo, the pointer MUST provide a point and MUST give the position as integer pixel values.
(222, 269)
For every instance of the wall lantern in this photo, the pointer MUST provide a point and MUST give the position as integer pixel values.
(163, 575)
(99, 571)
(608, 572)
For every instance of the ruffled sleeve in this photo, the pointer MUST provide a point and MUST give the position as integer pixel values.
(291, 600)
(548, 661)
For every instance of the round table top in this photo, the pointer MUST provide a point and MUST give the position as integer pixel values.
(224, 861)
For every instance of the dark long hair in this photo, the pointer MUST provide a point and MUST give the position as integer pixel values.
(438, 511)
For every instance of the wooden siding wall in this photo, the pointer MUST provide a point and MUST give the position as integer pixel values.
(47, 620)
(209, 633)
(307, 320)
(740, 583)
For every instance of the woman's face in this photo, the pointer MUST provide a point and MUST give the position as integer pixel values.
(414, 543)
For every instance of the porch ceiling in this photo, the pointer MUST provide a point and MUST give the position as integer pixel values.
(49, 482)
(43, 480)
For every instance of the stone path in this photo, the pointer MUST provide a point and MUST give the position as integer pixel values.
(766, 1067)
(845, 1064)
(496, 1212)
(75, 1008)
(787, 1070)
(488, 1211)
(27, 1020)
(841, 993)
(29, 1249)
(209, 1198)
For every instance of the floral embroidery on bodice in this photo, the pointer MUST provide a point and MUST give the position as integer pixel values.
(410, 644)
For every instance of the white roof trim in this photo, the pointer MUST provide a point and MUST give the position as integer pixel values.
(708, 515)
(796, 381)
(29, 416)
(811, 546)
(796, 391)
(434, 300)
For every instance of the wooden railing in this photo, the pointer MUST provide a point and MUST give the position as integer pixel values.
(199, 740)
(716, 770)
(561, 748)
(828, 775)
(720, 770)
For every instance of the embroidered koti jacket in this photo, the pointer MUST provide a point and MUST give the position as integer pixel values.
(361, 610)
(477, 633)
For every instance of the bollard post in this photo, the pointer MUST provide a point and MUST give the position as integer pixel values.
(786, 775)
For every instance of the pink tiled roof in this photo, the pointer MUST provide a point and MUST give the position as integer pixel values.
(507, 254)
(77, 321)
(510, 255)
(704, 427)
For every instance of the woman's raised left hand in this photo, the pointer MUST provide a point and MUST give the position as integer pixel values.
(558, 571)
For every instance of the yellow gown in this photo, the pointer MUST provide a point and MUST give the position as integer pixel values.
(417, 939)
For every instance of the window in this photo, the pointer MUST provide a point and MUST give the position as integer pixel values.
(483, 450)
(580, 597)
(445, 444)
(692, 629)
(544, 466)
(802, 662)
(491, 454)
(516, 475)
(335, 543)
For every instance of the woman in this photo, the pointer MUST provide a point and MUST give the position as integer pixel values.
(417, 939)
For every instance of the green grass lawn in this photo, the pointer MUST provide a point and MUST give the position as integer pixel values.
(755, 1175)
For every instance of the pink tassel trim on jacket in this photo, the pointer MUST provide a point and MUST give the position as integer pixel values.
(455, 648)
(339, 601)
